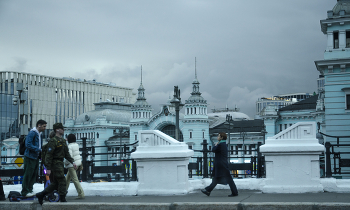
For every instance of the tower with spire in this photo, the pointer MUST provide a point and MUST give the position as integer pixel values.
(196, 105)
(196, 124)
(141, 111)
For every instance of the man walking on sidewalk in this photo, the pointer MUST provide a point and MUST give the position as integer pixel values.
(31, 158)
(221, 173)
(57, 150)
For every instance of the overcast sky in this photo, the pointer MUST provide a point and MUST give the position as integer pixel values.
(245, 49)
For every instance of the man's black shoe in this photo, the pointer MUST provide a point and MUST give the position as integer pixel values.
(40, 197)
(63, 198)
(232, 195)
(205, 192)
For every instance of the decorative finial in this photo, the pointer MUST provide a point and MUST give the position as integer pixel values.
(195, 67)
(141, 74)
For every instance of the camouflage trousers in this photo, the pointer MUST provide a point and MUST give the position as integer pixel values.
(59, 182)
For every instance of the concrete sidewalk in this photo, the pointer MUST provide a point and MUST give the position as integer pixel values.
(222, 196)
(247, 199)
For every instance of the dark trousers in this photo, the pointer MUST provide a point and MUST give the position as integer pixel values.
(230, 182)
(31, 169)
(2, 194)
(59, 181)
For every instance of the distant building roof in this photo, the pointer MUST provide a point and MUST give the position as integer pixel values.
(240, 126)
(309, 103)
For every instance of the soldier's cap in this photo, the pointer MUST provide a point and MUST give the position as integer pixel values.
(57, 126)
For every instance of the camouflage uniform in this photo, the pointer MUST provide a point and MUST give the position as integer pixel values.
(57, 150)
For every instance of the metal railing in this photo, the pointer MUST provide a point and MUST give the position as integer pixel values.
(336, 164)
(125, 171)
(203, 166)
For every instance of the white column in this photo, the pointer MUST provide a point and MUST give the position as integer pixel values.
(329, 40)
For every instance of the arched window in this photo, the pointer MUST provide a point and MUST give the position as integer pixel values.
(170, 130)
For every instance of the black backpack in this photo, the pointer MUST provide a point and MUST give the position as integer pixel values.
(22, 145)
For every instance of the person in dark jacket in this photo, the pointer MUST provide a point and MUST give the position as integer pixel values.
(57, 150)
(31, 158)
(221, 173)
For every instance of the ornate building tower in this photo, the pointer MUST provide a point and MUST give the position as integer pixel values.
(335, 74)
(141, 112)
(196, 124)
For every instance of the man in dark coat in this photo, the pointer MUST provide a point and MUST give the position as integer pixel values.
(221, 173)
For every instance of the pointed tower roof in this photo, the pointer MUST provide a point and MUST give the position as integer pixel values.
(195, 95)
(141, 99)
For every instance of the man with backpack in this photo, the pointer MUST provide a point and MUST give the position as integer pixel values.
(31, 158)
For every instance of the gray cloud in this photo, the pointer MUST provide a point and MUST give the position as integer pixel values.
(244, 49)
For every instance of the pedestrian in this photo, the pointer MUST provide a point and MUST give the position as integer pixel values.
(221, 173)
(57, 150)
(44, 149)
(2, 194)
(73, 149)
(31, 158)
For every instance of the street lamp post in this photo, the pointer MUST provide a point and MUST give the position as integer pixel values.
(178, 105)
(228, 122)
(263, 131)
(243, 135)
(122, 133)
(21, 97)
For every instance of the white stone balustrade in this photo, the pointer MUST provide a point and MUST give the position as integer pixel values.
(292, 160)
(162, 164)
(301, 130)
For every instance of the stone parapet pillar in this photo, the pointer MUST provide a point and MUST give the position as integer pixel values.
(292, 160)
(162, 164)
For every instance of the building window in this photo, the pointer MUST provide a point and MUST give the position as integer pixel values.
(189, 146)
(190, 134)
(280, 127)
(135, 137)
(347, 98)
(336, 39)
(231, 150)
(347, 39)
(203, 134)
(170, 131)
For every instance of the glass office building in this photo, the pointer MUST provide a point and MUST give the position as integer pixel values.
(51, 99)
(9, 113)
